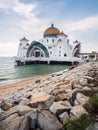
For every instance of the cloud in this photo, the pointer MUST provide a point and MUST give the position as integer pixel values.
(82, 25)
(8, 49)
(30, 21)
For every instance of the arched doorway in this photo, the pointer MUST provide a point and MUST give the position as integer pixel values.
(36, 49)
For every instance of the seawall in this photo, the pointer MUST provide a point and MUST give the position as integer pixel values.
(47, 102)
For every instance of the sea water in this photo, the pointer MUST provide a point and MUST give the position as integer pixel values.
(9, 72)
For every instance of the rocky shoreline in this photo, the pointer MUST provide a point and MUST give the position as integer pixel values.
(47, 103)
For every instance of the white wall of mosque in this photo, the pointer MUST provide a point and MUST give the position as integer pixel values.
(57, 47)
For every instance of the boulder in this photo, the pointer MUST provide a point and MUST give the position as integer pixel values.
(48, 121)
(5, 105)
(77, 111)
(77, 85)
(16, 97)
(17, 109)
(63, 117)
(89, 78)
(82, 81)
(24, 110)
(60, 107)
(10, 123)
(42, 101)
(61, 97)
(81, 99)
(23, 101)
(14, 122)
(87, 88)
(24, 123)
(33, 119)
(93, 127)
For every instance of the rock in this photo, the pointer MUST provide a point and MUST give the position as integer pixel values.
(28, 95)
(87, 88)
(77, 111)
(16, 97)
(48, 121)
(1, 111)
(81, 99)
(38, 81)
(10, 123)
(60, 107)
(82, 81)
(77, 86)
(58, 91)
(6, 105)
(24, 123)
(14, 122)
(17, 109)
(24, 110)
(62, 97)
(93, 127)
(33, 119)
(90, 79)
(44, 101)
(23, 101)
(63, 117)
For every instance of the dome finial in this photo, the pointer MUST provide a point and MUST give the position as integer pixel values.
(52, 25)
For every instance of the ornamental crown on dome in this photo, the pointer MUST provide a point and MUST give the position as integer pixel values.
(51, 31)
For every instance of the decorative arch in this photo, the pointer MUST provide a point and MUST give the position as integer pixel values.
(76, 50)
(59, 40)
(37, 45)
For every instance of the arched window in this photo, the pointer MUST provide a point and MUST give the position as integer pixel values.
(65, 55)
(27, 44)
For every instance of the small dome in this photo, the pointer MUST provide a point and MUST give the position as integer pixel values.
(51, 32)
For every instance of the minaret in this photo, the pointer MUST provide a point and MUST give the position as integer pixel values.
(52, 25)
(23, 46)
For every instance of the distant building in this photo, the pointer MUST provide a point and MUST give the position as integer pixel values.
(53, 48)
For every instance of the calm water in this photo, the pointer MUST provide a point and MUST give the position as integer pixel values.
(9, 72)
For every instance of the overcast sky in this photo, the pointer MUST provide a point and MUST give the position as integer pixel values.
(29, 18)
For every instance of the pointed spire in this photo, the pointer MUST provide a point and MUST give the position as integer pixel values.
(25, 39)
(52, 25)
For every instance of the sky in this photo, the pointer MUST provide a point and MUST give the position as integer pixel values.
(18, 18)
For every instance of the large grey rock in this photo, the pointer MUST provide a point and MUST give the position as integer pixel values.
(82, 81)
(24, 110)
(33, 119)
(77, 111)
(48, 121)
(14, 122)
(63, 117)
(17, 109)
(90, 79)
(60, 107)
(10, 123)
(24, 124)
(42, 101)
(87, 88)
(24, 101)
(15, 97)
(81, 99)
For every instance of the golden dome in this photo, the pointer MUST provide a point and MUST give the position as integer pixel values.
(52, 31)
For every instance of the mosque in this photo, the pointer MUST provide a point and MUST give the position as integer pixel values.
(53, 48)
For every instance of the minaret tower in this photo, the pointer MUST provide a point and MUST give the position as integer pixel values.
(23, 46)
